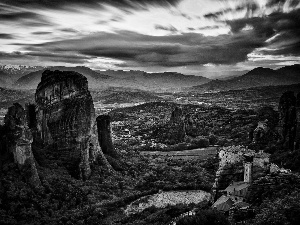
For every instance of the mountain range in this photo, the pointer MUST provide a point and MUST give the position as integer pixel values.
(257, 77)
(168, 81)
(22, 77)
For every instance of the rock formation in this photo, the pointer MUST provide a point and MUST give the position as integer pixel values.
(176, 126)
(174, 130)
(287, 125)
(233, 161)
(104, 135)
(260, 131)
(65, 120)
(177, 115)
(297, 145)
(16, 143)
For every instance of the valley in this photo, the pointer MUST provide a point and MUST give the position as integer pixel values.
(167, 145)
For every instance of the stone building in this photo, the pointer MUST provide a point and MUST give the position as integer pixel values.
(65, 120)
(236, 192)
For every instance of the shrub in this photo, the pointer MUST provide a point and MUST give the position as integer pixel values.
(213, 139)
(207, 217)
(200, 142)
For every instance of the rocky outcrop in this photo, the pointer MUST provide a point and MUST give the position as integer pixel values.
(287, 125)
(260, 131)
(174, 130)
(65, 120)
(263, 131)
(105, 135)
(177, 115)
(16, 143)
(269, 184)
(232, 165)
(297, 144)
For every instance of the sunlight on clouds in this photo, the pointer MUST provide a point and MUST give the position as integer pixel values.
(263, 57)
(103, 63)
(85, 20)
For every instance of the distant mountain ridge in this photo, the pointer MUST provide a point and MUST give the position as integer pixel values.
(10, 73)
(168, 81)
(31, 80)
(257, 77)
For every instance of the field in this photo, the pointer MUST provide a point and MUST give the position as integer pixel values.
(201, 153)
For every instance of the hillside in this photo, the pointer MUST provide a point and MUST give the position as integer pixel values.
(3, 78)
(120, 95)
(167, 81)
(10, 96)
(10, 73)
(257, 77)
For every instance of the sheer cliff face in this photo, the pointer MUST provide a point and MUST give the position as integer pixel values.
(288, 119)
(66, 119)
(298, 122)
(16, 141)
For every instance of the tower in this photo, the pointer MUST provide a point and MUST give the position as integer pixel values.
(248, 172)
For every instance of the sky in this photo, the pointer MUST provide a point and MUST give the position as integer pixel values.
(213, 38)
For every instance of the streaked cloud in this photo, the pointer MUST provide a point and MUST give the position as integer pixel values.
(6, 36)
(181, 35)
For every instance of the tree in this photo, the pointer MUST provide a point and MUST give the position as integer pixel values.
(207, 217)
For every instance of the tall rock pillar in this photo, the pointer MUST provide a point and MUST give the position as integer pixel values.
(66, 121)
(18, 140)
(297, 144)
(287, 119)
(105, 135)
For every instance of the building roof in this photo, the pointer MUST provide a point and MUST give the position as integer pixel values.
(237, 186)
(224, 203)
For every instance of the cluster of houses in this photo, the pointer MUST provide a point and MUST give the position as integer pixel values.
(234, 195)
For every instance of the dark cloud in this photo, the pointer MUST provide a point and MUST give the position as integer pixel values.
(116, 19)
(69, 30)
(287, 43)
(146, 50)
(261, 25)
(185, 16)
(23, 17)
(59, 57)
(169, 28)
(271, 3)
(12, 55)
(286, 27)
(216, 15)
(209, 27)
(48, 57)
(15, 16)
(6, 36)
(61, 3)
(41, 33)
(250, 7)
